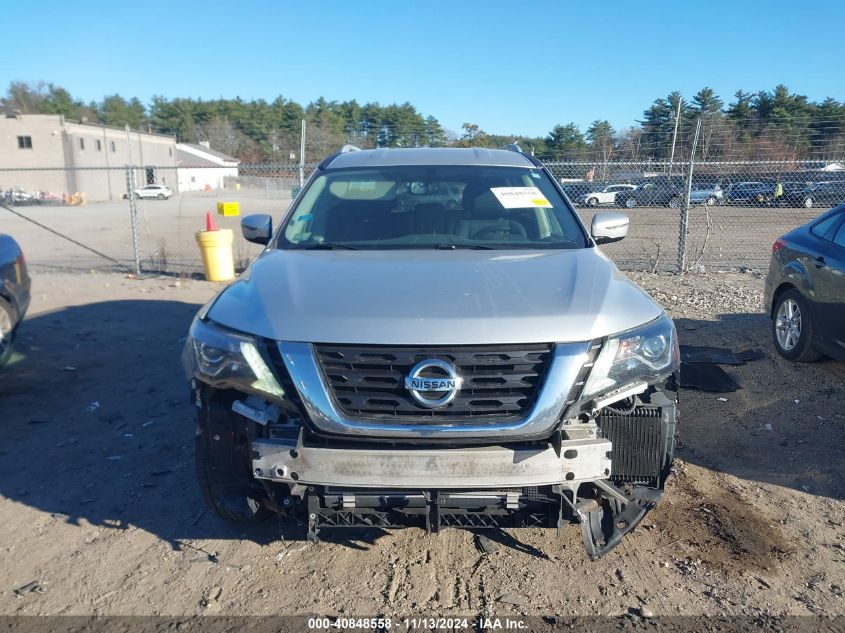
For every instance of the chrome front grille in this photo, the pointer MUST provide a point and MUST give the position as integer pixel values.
(500, 382)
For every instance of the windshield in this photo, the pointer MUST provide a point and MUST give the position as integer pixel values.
(432, 207)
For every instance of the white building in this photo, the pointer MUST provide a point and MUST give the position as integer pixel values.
(50, 154)
(201, 168)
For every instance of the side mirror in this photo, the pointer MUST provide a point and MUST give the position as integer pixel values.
(257, 228)
(609, 227)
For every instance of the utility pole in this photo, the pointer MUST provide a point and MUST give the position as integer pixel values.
(131, 185)
(302, 155)
(682, 235)
(675, 136)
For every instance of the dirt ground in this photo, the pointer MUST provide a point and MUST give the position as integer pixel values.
(101, 512)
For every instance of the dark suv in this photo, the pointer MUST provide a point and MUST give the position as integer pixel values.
(655, 192)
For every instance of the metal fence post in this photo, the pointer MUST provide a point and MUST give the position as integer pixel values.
(684, 215)
(133, 216)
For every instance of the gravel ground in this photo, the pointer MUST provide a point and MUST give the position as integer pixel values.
(101, 514)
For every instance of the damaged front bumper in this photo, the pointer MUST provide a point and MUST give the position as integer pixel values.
(441, 468)
(544, 484)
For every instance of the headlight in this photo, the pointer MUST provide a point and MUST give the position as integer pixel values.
(228, 360)
(646, 353)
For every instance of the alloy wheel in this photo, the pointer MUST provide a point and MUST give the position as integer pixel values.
(788, 325)
(5, 331)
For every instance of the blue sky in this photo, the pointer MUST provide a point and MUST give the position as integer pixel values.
(511, 67)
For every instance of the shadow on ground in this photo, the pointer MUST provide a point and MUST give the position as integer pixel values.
(98, 427)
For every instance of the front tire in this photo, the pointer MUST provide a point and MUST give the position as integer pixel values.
(630, 202)
(7, 329)
(222, 491)
(808, 202)
(792, 328)
(674, 202)
(711, 201)
(592, 202)
(161, 196)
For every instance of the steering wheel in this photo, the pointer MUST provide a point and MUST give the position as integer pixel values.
(496, 232)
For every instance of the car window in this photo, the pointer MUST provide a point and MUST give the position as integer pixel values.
(423, 206)
(822, 228)
(839, 238)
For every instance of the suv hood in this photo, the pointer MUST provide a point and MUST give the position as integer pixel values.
(433, 297)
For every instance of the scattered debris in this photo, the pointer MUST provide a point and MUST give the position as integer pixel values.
(114, 458)
(722, 399)
(766, 427)
(28, 588)
(645, 612)
(718, 355)
(93, 406)
(699, 367)
(512, 598)
(148, 423)
(70, 368)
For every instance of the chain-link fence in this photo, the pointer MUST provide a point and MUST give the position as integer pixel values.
(705, 214)
(685, 215)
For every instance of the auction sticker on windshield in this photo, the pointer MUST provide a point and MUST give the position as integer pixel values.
(520, 197)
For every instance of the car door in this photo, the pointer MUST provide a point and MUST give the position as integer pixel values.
(608, 194)
(648, 193)
(829, 283)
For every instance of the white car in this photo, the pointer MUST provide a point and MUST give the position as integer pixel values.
(159, 192)
(607, 195)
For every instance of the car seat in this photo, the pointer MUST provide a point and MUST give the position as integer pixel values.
(484, 217)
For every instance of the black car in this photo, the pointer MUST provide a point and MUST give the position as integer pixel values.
(750, 193)
(793, 194)
(823, 194)
(655, 192)
(14, 293)
(805, 289)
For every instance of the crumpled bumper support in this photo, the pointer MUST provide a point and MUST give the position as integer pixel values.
(605, 523)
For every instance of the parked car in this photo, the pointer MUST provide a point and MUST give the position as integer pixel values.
(750, 193)
(574, 190)
(823, 194)
(14, 293)
(158, 192)
(794, 193)
(708, 193)
(481, 365)
(604, 195)
(805, 289)
(655, 192)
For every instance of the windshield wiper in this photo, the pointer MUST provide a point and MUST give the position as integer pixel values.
(452, 247)
(328, 246)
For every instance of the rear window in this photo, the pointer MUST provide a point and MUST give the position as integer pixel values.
(432, 207)
(822, 228)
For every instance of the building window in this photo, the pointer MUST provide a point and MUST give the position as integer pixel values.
(81, 143)
(99, 146)
(24, 142)
(193, 179)
(113, 148)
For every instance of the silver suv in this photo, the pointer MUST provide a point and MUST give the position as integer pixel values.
(432, 337)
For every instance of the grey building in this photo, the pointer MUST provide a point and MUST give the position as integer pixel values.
(47, 153)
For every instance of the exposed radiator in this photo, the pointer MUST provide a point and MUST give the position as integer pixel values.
(638, 444)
